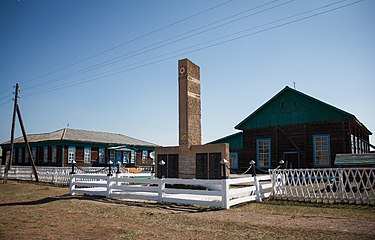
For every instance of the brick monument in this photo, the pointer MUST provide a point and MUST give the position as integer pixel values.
(191, 159)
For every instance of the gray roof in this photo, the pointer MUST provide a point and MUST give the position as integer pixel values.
(76, 135)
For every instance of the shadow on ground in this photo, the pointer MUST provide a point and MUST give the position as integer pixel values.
(174, 208)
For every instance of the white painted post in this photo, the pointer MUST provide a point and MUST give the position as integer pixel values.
(257, 189)
(225, 194)
(109, 186)
(72, 185)
(283, 183)
(341, 186)
(161, 190)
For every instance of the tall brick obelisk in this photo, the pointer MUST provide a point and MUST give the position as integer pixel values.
(189, 103)
(191, 159)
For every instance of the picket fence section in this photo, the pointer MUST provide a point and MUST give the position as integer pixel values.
(55, 175)
(331, 185)
(213, 193)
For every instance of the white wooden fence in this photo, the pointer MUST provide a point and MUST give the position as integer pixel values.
(54, 175)
(214, 193)
(331, 185)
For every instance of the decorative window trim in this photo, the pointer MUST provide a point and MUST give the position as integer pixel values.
(87, 155)
(315, 164)
(258, 141)
(71, 154)
(144, 156)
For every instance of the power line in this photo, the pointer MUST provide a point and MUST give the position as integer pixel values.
(6, 90)
(129, 41)
(7, 96)
(202, 48)
(152, 46)
(5, 103)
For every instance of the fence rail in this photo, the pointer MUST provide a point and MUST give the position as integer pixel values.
(214, 193)
(333, 185)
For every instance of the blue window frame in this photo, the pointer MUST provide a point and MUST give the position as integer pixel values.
(71, 154)
(263, 152)
(322, 152)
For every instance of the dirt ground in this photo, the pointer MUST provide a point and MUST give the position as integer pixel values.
(40, 211)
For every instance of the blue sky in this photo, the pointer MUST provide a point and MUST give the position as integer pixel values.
(60, 54)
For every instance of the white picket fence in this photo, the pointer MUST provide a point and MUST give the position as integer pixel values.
(214, 193)
(54, 175)
(331, 185)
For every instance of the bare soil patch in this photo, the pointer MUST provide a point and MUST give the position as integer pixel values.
(40, 211)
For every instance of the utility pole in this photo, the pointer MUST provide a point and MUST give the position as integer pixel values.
(27, 144)
(10, 159)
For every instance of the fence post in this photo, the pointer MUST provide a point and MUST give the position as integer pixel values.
(257, 189)
(341, 187)
(72, 185)
(225, 193)
(161, 190)
(109, 186)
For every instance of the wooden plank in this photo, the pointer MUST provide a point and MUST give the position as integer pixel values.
(242, 200)
(90, 183)
(192, 202)
(192, 192)
(135, 196)
(134, 189)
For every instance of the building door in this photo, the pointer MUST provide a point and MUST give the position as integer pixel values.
(201, 163)
(291, 160)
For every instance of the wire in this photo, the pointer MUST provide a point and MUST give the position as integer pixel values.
(7, 96)
(166, 41)
(127, 42)
(5, 103)
(205, 47)
(6, 90)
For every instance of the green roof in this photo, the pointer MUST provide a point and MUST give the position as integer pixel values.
(235, 140)
(290, 107)
(355, 159)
